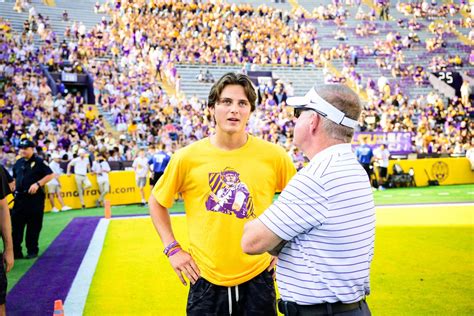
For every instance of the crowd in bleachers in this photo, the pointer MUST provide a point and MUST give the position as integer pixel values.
(132, 55)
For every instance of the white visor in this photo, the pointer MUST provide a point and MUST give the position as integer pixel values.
(312, 100)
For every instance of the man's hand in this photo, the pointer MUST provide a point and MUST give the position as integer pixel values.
(275, 251)
(33, 188)
(12, 186)
(183, 263)
(8, 259)
(272, 265)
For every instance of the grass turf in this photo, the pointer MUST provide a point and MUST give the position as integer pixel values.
(439, 194)
(423, 271)
(55, 223)
(133, 265)
(417, 270)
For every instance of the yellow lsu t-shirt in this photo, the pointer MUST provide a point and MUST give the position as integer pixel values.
(222, 190)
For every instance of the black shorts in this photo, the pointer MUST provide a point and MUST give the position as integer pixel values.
(155, 178)
(255, 297)
(3, 284)
(382, 172)
(368, 169)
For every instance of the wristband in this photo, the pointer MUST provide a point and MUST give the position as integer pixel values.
(170, 246)
(39, 185)
(174, 251)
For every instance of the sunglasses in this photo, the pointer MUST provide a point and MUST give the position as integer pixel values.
(297, 111)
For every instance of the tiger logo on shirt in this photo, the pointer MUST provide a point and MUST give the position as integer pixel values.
(229, 195)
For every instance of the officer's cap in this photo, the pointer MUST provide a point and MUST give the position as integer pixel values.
(25, 143)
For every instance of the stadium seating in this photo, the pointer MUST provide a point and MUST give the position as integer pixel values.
(153, 98)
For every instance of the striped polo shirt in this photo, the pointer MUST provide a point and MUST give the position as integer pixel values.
(327, 214)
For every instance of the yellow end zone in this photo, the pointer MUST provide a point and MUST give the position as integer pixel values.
(133, 277)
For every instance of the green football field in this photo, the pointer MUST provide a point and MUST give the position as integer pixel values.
(423, 264)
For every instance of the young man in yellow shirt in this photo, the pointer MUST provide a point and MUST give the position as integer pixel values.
(226, 180)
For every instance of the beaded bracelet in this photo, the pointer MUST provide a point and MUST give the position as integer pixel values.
(174, 251)
(170, 246)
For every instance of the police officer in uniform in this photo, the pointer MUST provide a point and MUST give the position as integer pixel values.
(31, 173)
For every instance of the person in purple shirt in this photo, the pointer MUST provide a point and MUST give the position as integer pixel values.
(64, 142)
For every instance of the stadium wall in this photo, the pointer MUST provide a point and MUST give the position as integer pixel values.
(123, 190)
(446, 170)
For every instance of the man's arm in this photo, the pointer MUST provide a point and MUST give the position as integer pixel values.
(257, 239)
(106, 166)
(69, 165)
(6, 231)
(37, 185)
(10, 180)
(182, 262)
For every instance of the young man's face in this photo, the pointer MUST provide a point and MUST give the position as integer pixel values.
(232, 110)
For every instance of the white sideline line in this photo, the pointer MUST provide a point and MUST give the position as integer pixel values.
(443, 193)
(76, 298)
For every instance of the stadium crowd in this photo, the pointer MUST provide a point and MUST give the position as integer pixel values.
(140, 42)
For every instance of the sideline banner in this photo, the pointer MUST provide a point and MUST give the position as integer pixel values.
(123, 190)
(446, 170)
(398, 143)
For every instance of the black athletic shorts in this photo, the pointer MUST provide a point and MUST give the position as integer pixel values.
(3, 284)
(154, 179)
(255, 297)
(383, 172)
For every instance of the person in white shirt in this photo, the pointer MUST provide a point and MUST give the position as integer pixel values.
(54, 187)
(102, 168)
(81, 168)
(381, 157)
(470, 155)
(322, 226)
(140, 165)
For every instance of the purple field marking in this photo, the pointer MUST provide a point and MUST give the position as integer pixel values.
(51, 276)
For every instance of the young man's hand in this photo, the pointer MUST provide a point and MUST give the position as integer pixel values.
(183, 263)
(8, 259)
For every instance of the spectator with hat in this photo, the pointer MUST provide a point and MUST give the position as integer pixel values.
(81, 166)
(101, 168)
(140, 165)
(31, 173)
(381, 157)
(53, 186)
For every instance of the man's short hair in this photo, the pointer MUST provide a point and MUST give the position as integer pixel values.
(232, 78)
(344, 99)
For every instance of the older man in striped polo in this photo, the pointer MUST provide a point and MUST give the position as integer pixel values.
(323, 224)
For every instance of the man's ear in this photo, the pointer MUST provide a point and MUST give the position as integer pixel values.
(315, 121)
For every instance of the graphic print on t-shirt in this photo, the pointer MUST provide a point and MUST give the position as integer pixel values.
(228, 195)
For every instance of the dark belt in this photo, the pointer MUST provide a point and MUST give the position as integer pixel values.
(293, 309)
